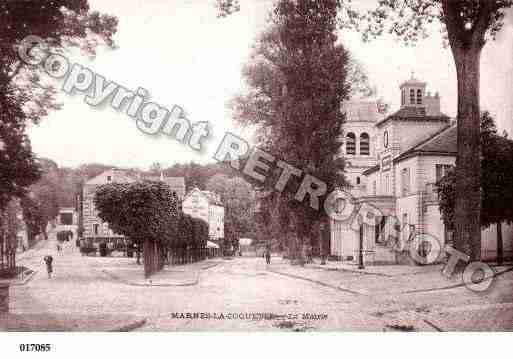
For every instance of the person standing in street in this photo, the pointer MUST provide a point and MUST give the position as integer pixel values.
(268, 256)
(49, 267)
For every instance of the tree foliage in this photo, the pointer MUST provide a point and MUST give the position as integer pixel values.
(227, 7)
(148, 213)
(238, 198)
(64, 24)
(24, 95)
(18, 167)
(297, 79)
(137, 210)
(496, 180)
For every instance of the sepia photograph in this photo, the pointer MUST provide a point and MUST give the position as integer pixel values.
(178, 167)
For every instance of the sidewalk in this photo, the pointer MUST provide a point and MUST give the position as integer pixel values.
(21, 260)
(391, 270)
(376, 280)
(33, 251)
(126, 271)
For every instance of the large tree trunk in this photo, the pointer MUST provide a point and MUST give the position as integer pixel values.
(500, 248)
(150, 254)
(467, 237)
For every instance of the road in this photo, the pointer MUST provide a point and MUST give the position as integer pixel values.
(239, 287)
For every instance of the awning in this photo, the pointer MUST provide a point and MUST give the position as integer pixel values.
(212, 245)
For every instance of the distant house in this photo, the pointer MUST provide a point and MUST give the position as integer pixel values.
(67, 220)
(94, 228)
(207, 206)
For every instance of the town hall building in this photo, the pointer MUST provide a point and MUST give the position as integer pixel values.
(392, 164)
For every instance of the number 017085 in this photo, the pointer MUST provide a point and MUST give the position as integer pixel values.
(35, 347)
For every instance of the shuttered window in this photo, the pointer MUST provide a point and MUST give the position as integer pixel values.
(350, 144)
(364, 144)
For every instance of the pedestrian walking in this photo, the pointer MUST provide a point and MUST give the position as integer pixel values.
(268, 256)
(49, 267)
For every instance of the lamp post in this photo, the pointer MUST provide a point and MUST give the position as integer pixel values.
(360, 247)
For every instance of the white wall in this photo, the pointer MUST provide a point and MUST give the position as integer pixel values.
(412, 164)
(343, 239)
(216, 220)
(434, 225)
(409, 133)
(196, 205)
(427, 168)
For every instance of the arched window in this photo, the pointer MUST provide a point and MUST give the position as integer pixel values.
(419, 97)
(412, 96)
(364, 144)
(351, 144)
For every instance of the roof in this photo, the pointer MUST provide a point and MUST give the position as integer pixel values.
(412, 82)
(176, 183)
(441, 143)
(409, 113)
(117, 176)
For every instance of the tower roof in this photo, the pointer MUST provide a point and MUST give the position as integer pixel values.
(413, 82)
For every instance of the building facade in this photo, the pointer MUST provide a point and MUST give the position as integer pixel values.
(207, 206)
(67, 220)
(411, 150)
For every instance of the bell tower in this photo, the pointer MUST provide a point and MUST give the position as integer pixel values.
(413, 92)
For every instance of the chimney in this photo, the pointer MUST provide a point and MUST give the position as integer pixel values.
(432, 104)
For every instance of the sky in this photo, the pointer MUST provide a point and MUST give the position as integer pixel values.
(184, 55)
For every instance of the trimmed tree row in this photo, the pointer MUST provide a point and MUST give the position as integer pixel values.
(148, 213)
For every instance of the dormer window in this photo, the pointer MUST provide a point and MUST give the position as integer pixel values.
(419, 97)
